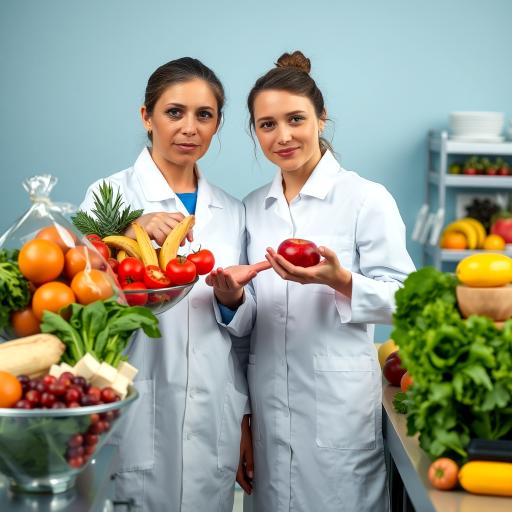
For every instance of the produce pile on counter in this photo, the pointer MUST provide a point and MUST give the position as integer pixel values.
(458, 386)
(64, 375)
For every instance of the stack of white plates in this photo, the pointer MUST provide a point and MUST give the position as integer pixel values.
(477, 126)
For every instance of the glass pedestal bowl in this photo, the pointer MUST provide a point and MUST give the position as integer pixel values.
(159, 300)
(43, 450)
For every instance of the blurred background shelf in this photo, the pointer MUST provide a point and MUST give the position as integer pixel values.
(438, 181)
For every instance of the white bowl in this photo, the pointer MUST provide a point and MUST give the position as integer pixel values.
(480, 123)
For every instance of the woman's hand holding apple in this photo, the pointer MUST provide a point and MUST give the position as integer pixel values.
(328, 271)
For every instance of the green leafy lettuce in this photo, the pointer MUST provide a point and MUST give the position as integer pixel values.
(102, 328)
(14, 288)
(462, 369)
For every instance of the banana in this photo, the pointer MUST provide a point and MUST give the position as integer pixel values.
(479, 229)
(466, 228)
(147, 251)
(124, 243)
(172, 243)
(121, 255)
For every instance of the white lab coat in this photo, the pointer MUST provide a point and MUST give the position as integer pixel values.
(180, 443)
(314, 377)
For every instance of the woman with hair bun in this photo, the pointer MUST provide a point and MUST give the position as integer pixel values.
(314, 378)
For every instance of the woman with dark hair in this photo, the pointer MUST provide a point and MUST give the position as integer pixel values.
(179, 447)
(313, 373)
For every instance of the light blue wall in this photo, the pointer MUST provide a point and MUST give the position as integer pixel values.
(73, 75)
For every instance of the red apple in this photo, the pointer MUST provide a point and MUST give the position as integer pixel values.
(503, 227)
(299, 252)
(393, 370)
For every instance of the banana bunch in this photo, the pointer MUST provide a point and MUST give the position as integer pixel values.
(142, 248)
(472, 229)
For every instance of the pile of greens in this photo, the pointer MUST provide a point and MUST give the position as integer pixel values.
(14, 288)
(462, 369)
(102, 328)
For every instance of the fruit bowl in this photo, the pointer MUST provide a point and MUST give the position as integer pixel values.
(495, 302)
(43, 450)
(159, 300)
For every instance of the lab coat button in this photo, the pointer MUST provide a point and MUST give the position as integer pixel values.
(191, 395)
(195, 303)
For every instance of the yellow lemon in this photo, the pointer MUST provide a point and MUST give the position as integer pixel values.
(485, 269)
(388, 347)
(494, 243)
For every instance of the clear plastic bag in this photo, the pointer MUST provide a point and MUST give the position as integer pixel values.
(56, 264)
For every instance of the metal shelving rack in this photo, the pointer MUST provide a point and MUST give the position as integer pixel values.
(438, 180)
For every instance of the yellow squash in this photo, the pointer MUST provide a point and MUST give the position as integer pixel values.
(485, 269)
(485, 477)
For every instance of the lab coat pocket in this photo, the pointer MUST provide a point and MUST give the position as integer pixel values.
(136, 435)
(345, 405)
(230, 429)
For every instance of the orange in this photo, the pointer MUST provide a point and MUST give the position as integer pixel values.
(494, 243)
(454, 240)
(78, 258)
(24, 322)
(92, 285)
(58, 234)
(51, 297)
(41, 260)
(10, 389)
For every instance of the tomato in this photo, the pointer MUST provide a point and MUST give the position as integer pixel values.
(25, 322)
(299, 252)
(130, 270)
(443, 473)
(51, 297)
(135, 299)
(406, 381)
(102, 248)
(91, 285)
(64, 238)
(180, 271)
(203, 260)
(41, 260)
(392, 369)
(114, 264)
(93, 237)
(11, 389)
(76, 259)
(154, 277)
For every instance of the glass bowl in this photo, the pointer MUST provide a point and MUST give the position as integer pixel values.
(159, 300)
(43, 450)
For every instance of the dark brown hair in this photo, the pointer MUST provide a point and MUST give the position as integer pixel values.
(290, 74)
(181, 70)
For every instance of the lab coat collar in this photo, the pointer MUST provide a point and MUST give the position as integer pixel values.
(318, 184)
(155, 188)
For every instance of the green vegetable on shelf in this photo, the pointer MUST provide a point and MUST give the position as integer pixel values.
(102, 328)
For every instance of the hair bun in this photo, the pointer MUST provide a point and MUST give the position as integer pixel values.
(294, 60)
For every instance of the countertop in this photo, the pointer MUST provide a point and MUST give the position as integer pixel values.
(91, 493)
(412, 464)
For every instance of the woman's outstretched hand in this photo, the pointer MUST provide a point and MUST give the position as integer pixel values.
(245, 472)
(228, 283)
(158, 225)
(329, 271)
